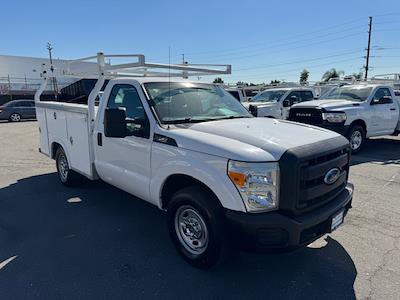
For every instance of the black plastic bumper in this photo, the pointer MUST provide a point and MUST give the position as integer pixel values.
(277, 231)
(339, 128)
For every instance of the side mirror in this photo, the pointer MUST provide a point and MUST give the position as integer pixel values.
(385, 99)
(115, 122)
(375, 101)
(286, 103)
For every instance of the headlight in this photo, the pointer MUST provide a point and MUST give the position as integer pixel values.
(334, 117)
(258, 184)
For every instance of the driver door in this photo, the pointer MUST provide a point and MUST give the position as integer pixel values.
(293, 98)
(125, 162)
(383, 112)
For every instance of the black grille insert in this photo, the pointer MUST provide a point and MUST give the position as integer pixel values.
(311, 116)
(313, 191)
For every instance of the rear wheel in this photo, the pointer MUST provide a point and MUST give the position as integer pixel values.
(356, 138)
(14, 117)
(195, 223)
(66, 175)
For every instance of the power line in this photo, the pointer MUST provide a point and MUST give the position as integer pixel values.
(285, 72)
(260, 51)
(299, 61)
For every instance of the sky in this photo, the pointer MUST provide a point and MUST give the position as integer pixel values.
(262, 40)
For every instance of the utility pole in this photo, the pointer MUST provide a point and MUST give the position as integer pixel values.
(368, 49)
(53, 79)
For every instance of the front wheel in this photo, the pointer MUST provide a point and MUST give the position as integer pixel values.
(356, 138)
(195, 223)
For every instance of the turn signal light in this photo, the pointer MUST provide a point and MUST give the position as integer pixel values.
(238, 178)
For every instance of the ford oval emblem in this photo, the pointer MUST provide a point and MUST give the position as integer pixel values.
(332, 175)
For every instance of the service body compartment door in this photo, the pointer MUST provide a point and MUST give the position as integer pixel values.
(44, 138)
(78, 142)
(56, 124)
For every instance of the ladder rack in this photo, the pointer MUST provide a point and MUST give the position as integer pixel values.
(136, 66)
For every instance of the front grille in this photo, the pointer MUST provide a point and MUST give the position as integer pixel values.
(253, 110)
(311, 116)
(303, 170)
(313, 191)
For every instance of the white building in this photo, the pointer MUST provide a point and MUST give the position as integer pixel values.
(22, 74)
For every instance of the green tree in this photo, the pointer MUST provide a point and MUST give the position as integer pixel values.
(218, 80)
(242, 83)
(304, 76)
(275, 81)
(358, 76)
(332, 73)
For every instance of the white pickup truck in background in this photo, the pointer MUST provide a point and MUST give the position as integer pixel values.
(243, 93)
(276, 102)
(226, 180)
(356, 111)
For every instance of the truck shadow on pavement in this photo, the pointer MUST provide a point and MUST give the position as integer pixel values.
(97, 242)
(380, 150)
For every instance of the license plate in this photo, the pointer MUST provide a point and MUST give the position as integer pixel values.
(337, 220)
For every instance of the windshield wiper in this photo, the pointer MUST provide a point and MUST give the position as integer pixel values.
(196, 120)
(232, 117)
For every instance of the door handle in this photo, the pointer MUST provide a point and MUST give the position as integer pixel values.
(392, 109)
(99, 139)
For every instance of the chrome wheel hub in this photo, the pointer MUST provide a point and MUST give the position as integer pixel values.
(63, 167)
(355, 140)
(15, 117)
(191, 229)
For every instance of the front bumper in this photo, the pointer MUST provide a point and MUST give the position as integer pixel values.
(278, 231)
(339, 128)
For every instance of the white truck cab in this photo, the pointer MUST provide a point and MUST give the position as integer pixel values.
(356, 111)
(276, 102)
(226, 180)
(243, 93)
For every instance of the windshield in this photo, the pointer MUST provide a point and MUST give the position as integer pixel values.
(184, 102)
(268, 96)
(353, 93)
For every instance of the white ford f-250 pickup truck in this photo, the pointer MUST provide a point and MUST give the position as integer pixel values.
(276, 102)
(226, 180)
(356, 111)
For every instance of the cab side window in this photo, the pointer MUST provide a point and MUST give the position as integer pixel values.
(127, 97)
(307, 96)
(294, 97)
(383, 92)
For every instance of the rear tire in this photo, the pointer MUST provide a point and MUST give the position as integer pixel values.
(14, 117)
(356, 137)
(196, 226)
(67, 176)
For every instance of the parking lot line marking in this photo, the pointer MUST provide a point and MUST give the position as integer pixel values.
(7, 261)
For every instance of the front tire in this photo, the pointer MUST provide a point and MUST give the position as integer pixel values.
(356, 138)
(14, 117)
(195, 223)
(67, 176)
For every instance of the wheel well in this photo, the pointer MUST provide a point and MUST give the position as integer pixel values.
(54, 148)
(361, 123)
(177, 182)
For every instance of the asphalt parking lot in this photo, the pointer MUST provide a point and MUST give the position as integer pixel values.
(98, 242)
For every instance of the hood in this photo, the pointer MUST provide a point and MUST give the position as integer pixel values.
(248, 139)
(327, 104)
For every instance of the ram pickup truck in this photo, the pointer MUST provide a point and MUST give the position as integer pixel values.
(226, 179)
(355, 111)
(276, 102)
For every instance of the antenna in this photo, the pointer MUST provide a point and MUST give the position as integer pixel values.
(169, 81)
